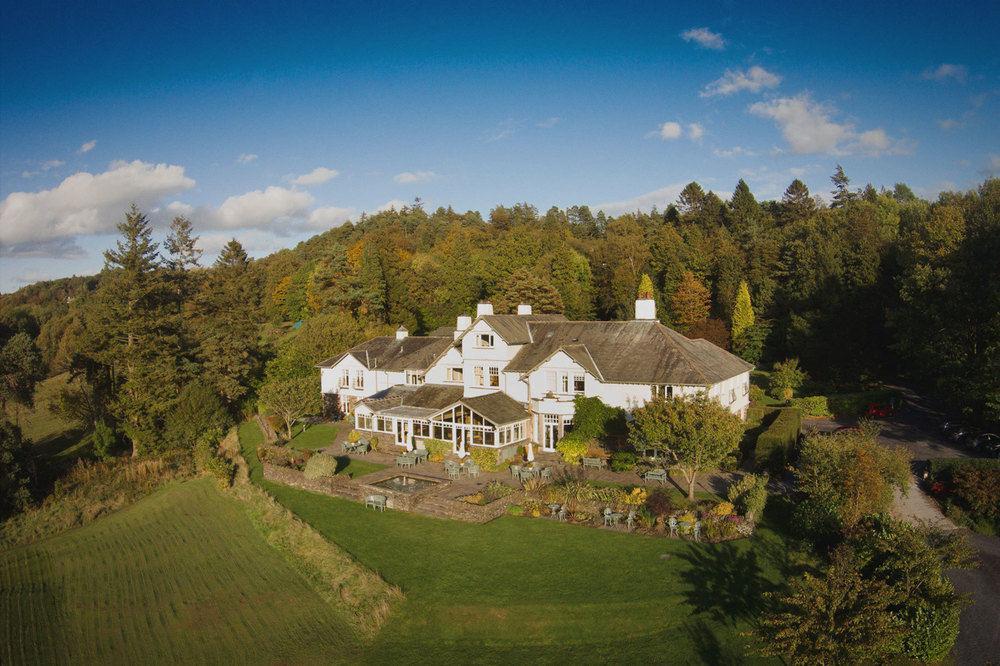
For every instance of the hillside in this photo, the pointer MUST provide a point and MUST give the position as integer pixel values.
(181, 577)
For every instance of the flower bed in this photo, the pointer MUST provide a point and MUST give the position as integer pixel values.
(494, 491)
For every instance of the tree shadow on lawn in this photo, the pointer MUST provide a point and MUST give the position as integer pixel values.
(726, 582)
(710, 648)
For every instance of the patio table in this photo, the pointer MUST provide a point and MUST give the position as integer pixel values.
(656, 474)
(615, 518)
(419, 455)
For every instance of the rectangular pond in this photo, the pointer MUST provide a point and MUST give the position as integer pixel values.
(402, 483)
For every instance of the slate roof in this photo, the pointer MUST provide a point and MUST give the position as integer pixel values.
(497, 407)
(428, 396)
(514, 329)
(629, 352)
(414, 352)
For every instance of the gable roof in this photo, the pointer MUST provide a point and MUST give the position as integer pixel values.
(514, 329)
(630, 352)
(497, 407)
(429, 399)
(414, 352)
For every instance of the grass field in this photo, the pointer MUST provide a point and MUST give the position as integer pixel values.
(180, 577)
(52, 436)
(520, 589)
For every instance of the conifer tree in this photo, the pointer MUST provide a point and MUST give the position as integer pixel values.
(182, 246)
(526, 286)
(691, 302)
(842, 194)
(797, 203)
(645, 287)
(742, 318)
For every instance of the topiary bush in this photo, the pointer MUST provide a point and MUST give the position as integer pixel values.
(756, 393)
(573, 448)
(320, 465)
(749, 495)
(775, 445)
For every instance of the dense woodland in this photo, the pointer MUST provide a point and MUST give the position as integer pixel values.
(875, 285)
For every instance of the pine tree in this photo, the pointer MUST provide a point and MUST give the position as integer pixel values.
(842, 194)
(133, 328)
(691, 302)
(745, 214)
(742, 318)
(797, 203)
(646, 290)
(526, 286)
(372, 288)
(691, 199)
(182, 245)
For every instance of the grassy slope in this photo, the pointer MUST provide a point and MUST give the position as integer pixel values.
(182, 576)
(533, 589)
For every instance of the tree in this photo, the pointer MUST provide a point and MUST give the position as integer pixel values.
(645, 287)
(750, 345)
(785, 378)
(182, 245)
(292, 399)
(21, 368)
(842, 194)
(691, 302)
(525, 286)
(696, 432)
(837, 618)
(845, 477)
(691, 199)
(16, 470)
(797, 203)
(742, 318)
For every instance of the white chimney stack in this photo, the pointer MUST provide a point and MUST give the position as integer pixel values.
(524, 309)
(484, 309)
(461, 324)
(402, 333)
(645, 309)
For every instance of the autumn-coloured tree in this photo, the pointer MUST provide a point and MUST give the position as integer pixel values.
(691, 302)
(645, 287)
(742, 312)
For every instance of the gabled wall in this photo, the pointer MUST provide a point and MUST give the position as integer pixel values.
(499, 356)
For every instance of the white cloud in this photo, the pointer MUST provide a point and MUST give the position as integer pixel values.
(246, 158)
(316, 176)
(946, 71)
(409, 177)
(87, 203)
(87, 147)
(670, 131)
(735, 151)
(704, 38)
(42, 168)
(660, 198)
(261, 208)
(392, 204)
(329, 216)
(809, 127)
(993, 167)
(549, 122)
(733, 81)
(695, 131)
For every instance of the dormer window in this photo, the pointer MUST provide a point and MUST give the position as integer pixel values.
(484, 340)
(454, 375)
(661, 391)
(414, 378)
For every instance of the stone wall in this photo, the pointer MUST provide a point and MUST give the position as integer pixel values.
(336, 486)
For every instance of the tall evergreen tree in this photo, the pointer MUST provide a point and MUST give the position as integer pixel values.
(526, 286)
(182, 245)
(842, 194)
(797, 203)
(742, 318)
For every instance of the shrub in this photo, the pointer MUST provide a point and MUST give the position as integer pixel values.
(283, 456)
(320, 465)
(979, 488)
(487, 459)
(354, 437)
(722, 509)
(623, 461)
(659, 503)
(573, 447)
(592, 419)
(373, 443)
(636, 497)
(198, 410)
(855, 404)
(775, 444)
(208, 461)
(515, 510)
(756, 393)
(437, 449)
(785, 378)
(813, 405)
(723, 529)
(932, 631)
(749, 495)
(103, 440)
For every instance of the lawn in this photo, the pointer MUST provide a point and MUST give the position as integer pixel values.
(521, 589)
(180, 577)
(52, 435)
(322, 435)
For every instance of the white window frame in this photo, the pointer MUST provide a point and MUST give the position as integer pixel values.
(478, 375)
(451, 371)
(415, 378)
(582, 379)
(494, 376)
(345, 378)
(485, 341)
(359, 380)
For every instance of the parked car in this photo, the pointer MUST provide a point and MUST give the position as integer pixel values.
(879, 410)
(948, 426)
(985, 443)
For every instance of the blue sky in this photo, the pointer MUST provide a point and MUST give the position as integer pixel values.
(271, 122)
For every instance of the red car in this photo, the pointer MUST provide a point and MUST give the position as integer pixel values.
(878, 410)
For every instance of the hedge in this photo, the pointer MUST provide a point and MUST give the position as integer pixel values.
(774, 445)
(813, 405)
(942, 469)
(488, 460)
(855, 404)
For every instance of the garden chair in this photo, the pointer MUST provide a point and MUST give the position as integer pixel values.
(697, 530)
(361, 448)
(515, 471)
(546, 473)
(472, 469)
(562, 514)
(454, 472)
(673, 526)
(420, 455)
(404, 460)
(630, 519)
(554, 508)
(656, 474)
(607, 517)
(376, 502)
